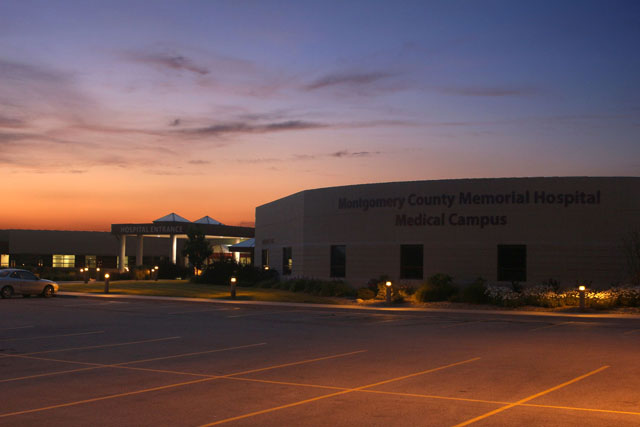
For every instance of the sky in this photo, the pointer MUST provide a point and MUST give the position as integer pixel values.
(125, 111)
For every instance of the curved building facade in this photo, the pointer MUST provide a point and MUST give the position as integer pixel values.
(527, 230)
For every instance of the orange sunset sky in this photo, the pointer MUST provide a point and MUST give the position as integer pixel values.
(117, 112)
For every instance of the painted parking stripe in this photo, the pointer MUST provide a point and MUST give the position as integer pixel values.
(633, 331)
(52, 336)
(533, 396)
(17, 327)
(338, 393)
(199, 311)
(551, 326)
(260, 313)
(461, 324)
(101, 346)
(169, 386)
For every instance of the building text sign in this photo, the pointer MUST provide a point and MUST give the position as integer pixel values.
(464, 199)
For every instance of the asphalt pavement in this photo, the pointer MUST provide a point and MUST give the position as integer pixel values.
(125, 362)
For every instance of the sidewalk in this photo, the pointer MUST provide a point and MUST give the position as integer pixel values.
(354, 307)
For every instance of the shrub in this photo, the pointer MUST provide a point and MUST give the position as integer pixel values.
(438, 287)
(475, 293)
(366, 293)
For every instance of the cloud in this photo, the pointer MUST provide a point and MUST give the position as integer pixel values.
(199, 162)
(341, 154)
(347, 153)
(11, 123)
(171, 61)
(489, 91)
(175, 122)
(250, 128)
(352, 79)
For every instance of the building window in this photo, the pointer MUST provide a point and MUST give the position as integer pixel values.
(90, 261)
(411, 259)
(265, 258)
(4, 260)
(338, 261)
(64, 261)
(126, 262)
(512, 263)
(287, 261)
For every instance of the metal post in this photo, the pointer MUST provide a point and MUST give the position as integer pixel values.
(106, 283)
(583, 304)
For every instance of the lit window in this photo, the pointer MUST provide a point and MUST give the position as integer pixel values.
(90, 261)
(126, 261)
(4, 260)
(287, 261)
(64, 261)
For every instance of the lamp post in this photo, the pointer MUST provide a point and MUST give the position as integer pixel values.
(106, 283)
(233, 287)
(388, 291)
(581, 290)
(85, 273)
(97, 273)
(156, 272)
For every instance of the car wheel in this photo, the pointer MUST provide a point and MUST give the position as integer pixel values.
(6, 292)
(48, 291)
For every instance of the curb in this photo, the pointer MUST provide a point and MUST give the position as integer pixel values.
(353, 307)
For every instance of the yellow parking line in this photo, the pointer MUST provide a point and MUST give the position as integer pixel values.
(633, 331)
(191, 354)
(51, 336)
(17, 327)
(534, 396)
(168, 386)
(551, 326)
(199, 311)
(460, 324)
(101, 346)
(48, 374)
(573, 408)
(338, 393)
(257, 314)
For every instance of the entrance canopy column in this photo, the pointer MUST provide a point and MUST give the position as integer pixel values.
(123, 249)
(174, 248)
(140, 249)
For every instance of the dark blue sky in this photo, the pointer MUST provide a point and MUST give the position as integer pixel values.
(272, 97)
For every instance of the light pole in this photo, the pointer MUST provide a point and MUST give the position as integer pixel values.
(106, 283)
(233, 287)
(581, 290)
(388, 291)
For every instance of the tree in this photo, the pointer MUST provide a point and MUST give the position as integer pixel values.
(197, 248)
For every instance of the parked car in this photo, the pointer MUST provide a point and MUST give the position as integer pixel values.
(16, 281)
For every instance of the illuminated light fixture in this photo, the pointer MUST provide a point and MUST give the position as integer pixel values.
(233, 280)
(98, 269)
(388, 291)
(266, 267)
(581, 288)
(106, 275)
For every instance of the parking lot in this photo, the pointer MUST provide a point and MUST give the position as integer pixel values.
(89, 361)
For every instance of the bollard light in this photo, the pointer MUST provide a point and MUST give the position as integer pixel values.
(388, 291)
(86, 275)
(106, 283)
(582, 291)
(233, 287)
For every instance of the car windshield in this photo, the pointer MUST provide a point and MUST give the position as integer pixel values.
(4, 273)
